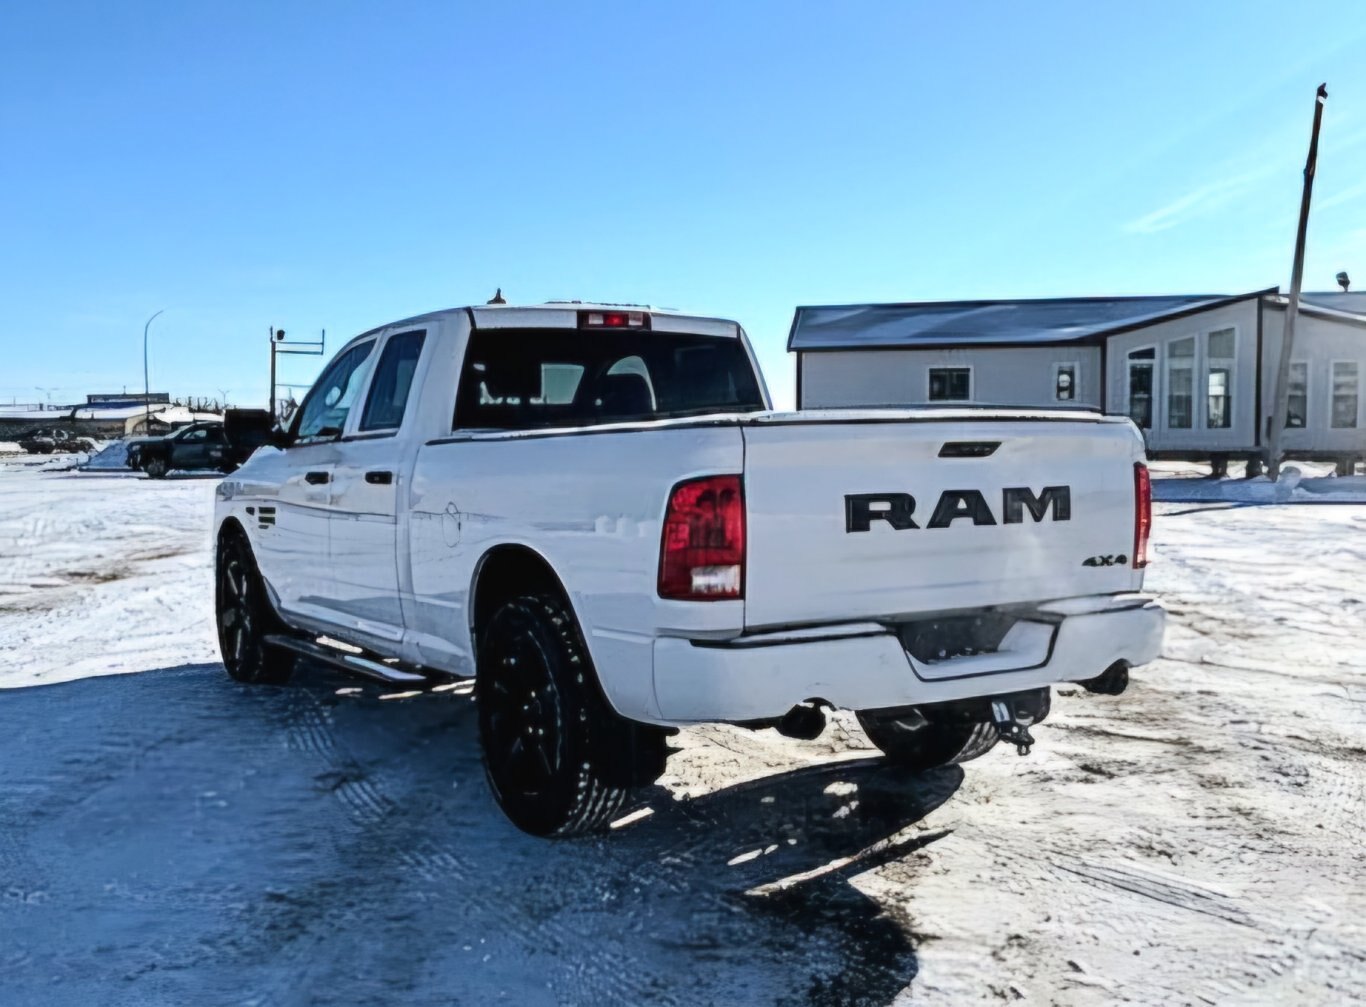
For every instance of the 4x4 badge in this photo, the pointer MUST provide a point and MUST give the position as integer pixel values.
(1119, 560)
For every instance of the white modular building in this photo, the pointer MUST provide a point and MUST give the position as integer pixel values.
(1196, 373)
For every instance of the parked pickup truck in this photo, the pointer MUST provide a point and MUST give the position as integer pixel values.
(594, 512)
(204, 445)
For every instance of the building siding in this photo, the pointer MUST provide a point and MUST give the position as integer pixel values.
(1241, 434)
(1003, 376)
(1318, 342)
(1025, 376)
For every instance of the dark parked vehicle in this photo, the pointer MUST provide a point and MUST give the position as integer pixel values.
(134, 447)
(198, 446)
(48, 440)
(207, 445)
(247, 430)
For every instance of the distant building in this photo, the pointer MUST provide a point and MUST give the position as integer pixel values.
(129, 399)
(1197, 373)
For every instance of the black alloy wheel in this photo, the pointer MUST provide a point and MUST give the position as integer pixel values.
(245, 618)
(542, 722)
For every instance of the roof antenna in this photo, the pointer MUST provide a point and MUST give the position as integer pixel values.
(497, 297)
(1344, 281)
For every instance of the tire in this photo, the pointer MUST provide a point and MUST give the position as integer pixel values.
(920, 742)
(245, 618)
(155, 468)
(555, 754)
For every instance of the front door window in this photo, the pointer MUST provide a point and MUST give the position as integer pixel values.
(323, 414)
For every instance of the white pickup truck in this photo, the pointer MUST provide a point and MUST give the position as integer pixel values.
(593, 511)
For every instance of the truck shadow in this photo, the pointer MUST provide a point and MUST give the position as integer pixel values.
(746, 887)
(271, 843)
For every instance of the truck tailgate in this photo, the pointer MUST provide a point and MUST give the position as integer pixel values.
(857, 519)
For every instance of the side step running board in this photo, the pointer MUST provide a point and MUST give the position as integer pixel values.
(346, 662)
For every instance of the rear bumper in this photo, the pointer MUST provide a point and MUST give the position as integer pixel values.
(864, 667)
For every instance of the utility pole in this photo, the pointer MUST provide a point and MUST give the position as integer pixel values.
(1292, 309)
(312, 348)
(146, 387)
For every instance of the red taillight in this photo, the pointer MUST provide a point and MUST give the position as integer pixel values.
(614, 320)
(1143, 514)
(702, 551)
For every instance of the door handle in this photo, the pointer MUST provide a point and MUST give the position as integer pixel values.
(379, 478)
(317, 478)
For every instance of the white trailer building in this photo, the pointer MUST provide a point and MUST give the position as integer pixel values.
(1196, 372)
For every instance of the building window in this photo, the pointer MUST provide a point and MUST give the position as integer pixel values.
(1141, 387)
(950, 384)
(1181, 384)
(1346, 393)
(1065, 383)
(1219, 356)
(1297, 403)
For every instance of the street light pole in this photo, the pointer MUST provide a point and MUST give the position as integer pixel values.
(1292, 307)
(146, 386)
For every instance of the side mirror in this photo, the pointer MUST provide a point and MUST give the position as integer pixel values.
(280, 437)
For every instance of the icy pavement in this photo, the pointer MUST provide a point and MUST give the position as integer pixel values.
(170, 837)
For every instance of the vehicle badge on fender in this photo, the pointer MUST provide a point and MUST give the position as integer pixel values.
(1116, 560)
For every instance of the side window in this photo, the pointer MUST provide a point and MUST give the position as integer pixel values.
(1181, 384)
(950, 384)
(1346, 388)
(323, 414)
(1297, 404)
(1065, 382)
(1141, 386)
(195, 436)
(1219, 357)
(393, 380)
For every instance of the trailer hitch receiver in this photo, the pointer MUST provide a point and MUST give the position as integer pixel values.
(1011, 729)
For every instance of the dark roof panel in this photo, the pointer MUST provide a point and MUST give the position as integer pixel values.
(1336, 300)
(968, 323)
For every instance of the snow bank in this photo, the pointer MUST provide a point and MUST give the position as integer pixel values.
(1292, 487)
(10, 448)
(114, 456)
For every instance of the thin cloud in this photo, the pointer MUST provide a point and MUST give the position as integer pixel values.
(1195, 203)
(1344, 196)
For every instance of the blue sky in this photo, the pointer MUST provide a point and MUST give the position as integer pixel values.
(243, 165)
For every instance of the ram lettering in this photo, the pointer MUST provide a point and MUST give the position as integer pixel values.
(862, 509)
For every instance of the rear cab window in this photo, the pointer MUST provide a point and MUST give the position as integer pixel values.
(527, 379)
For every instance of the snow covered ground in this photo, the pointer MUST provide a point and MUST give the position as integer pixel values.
(112, 457)
(1196, 840)
(1300, 483)
(101, 573)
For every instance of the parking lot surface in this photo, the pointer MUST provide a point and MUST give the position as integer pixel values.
(168, 836)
